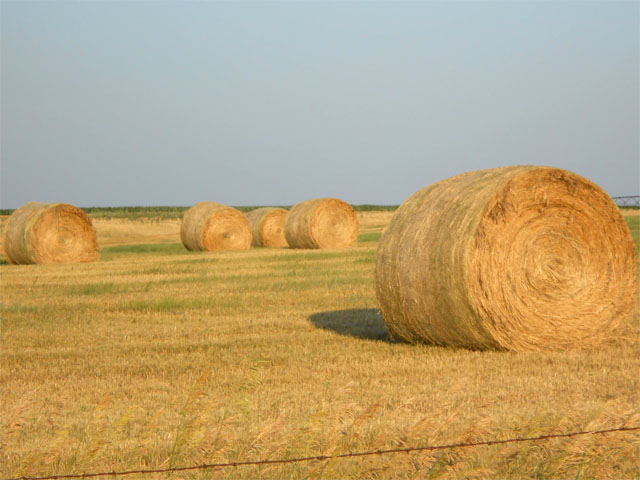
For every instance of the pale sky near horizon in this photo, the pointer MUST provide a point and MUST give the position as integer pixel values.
(270, 103)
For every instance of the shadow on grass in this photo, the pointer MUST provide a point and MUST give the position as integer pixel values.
(366, 323)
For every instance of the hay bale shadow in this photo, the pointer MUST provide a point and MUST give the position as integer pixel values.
(366, 323)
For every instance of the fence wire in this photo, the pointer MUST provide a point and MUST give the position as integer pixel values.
(329, 457)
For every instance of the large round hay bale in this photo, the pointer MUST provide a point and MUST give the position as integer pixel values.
(213, 226)
(515, 258)
(267, 226)
(321, 223)
(49, 233)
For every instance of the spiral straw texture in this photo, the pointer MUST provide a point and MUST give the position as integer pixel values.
(321, 223)
(267, 226)
(49, 233)
(213, 226)
(516, 258)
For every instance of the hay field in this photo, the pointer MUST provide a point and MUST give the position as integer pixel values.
(157, 357)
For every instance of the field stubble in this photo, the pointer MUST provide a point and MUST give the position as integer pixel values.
(158, 357)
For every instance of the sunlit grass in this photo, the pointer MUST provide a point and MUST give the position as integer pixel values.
(156, 357)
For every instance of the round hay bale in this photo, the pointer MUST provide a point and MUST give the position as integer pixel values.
(213, 226)
(49, 233)
(321, 223)
(515, 258)
(267, 226)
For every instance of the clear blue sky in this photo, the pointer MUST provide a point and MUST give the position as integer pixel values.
(170, 103)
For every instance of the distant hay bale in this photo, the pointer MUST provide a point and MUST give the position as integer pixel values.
(213, 226)
(49, 233)
(267, 226)
(514, 258)
(321, 223)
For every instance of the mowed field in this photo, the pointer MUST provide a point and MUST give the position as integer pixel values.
(156, 357)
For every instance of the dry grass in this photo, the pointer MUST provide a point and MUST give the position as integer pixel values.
(630, 212)
(117, 231)
(156, 356)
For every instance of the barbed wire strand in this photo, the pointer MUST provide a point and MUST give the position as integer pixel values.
(330, 457)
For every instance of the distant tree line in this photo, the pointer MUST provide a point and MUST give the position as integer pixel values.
(167, 212)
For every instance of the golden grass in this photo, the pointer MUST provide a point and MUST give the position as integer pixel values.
(630, 212)
(156, 356)
(117, 231)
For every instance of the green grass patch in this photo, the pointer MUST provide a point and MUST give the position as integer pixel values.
(634, 227)
(97, 289)
(24, 309)
(367, 258)
(297, 255)
(108, 253)
(369, 237)
(374, 208)
(225, 304)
